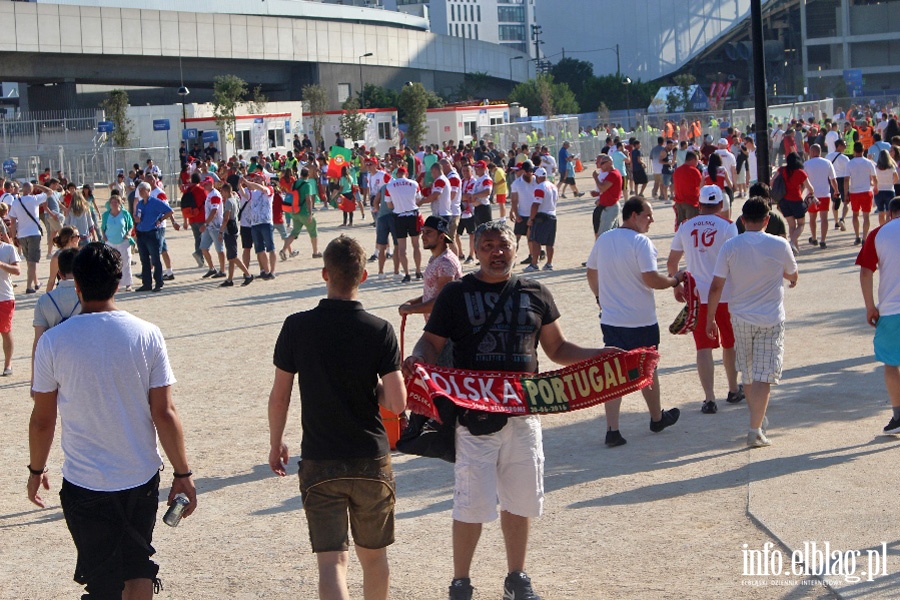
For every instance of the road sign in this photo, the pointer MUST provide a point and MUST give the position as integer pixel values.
(9, 166)
(210, 136)
(189, 134)
(853, 78)
(160, 125)
(105, 127)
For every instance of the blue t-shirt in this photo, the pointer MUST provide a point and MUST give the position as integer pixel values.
(149, 213)
(563, 159)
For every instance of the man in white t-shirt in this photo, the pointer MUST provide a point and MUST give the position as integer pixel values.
(113, 400)
(480, 196)
(402, 196)
(542, 220)
(840, 161)
(521, 197)
(700, 240)
(9, 266)
(621, 272)
(209, 229)
(881, 252)
(729, 162)
(832, 137)
(822, 178)
(862, 176)
(24, 218)
(754, 264)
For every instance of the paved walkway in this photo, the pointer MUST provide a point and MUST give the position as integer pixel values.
(669, 515)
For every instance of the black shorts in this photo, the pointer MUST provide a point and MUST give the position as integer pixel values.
(569, 180)
(640, 177)
(112, 532)
(482, 214)
(407, 226)
(230, 245)
(246, 237)
(521, 227)
(466, 226)
(629, 338)
(792, 208)
(543, 231)
(882, 199)
(836, 200)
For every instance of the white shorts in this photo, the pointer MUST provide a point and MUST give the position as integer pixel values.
(759, 351)
(507, 465)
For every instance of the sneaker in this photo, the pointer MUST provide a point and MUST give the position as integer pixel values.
(527, 261)
(418, 276)
(857, 242)
(543, 255)
(7, 372)
(669, 417)
(735, 397)
(614, 438)
(382, 276)
(406, 279)
(563, 196)
(468, 260)
(267, 277)
(317, 255)
(374, 257)
(206, 275)
(168, 276)
(531, 268)
(219, 275)
(709, 407)
(841, 225)
(227, 283)
(29, 290)
(248, 279)
(198, 257)
(765, 424)
(579, 194)
(143, 288)
(461, 589)
(282, 255)
(893, 426)
(158, 288)
(294, 254)
(757, 439)
(795, 249)
(813, 241)
(548, 267)
(837, 225)
(518, 587)
(822, 245)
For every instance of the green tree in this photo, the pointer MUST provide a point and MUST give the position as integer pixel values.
(684, 81)
(116, 107)
(574, 73)
(315, 98)
(541, 96)
(353, 123)
(229, 92)
(413, 104)
(376, 96)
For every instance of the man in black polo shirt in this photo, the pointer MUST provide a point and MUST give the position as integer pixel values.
(340, 351)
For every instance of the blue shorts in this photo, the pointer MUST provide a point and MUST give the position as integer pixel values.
(384, 226)
(887, 340)
(263, 241)
(882, 199)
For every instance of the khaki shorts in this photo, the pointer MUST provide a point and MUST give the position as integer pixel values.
(358, 492)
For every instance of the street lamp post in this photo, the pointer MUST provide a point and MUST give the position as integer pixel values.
(627, 82)
(362, 99)
(510, 65)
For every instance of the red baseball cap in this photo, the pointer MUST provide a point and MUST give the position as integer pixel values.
(481, 165)
(402, 170)
(208, 179)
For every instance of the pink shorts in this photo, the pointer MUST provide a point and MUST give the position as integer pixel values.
(7, 308)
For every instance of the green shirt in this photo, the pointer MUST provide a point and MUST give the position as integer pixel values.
(304, 188)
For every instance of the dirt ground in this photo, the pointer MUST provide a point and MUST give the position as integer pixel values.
(666, 516)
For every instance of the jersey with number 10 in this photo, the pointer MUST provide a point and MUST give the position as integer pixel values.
(701, 239)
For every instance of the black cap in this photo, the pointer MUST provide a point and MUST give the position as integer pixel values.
(439, 224)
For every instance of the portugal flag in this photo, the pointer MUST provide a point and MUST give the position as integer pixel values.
(340, 157)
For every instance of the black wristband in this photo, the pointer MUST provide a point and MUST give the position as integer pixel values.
(37, 471)
(182, 475)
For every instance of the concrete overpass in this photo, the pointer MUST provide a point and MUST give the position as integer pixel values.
(117, 43)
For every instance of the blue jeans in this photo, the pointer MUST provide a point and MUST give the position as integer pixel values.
(149, 244)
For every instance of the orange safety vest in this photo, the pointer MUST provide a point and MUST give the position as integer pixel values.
(865, 136)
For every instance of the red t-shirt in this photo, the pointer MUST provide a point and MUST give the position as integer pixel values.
(686, 180)
(196, 215)
(278, 208)
(793, 185)
(613, 192)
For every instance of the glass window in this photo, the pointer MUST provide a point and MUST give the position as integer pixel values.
(384, 131)
(343, 92)
(242, 140)
(479, 13)
(276, 137)
(470, 31)
(512, 33)
(470, 128)
(511, 14)
(476, 31)
(496, 120)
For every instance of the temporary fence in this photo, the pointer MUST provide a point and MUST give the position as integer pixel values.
(550, 132)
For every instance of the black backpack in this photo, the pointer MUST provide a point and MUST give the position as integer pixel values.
(188, 200)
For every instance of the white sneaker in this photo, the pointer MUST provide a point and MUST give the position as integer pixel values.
(757, 439)
(382, 277)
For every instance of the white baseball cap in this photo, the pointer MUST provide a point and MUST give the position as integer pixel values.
(711, 194)
(540, 172)
(723, 142)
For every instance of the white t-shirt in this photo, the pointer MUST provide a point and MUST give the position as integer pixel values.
(402, 194)
(551, 163)
(820, 172)
(26, 226)
(546, 194)
(244, 209)
(728, 161)
(108, 436)
(441, 206)
(701, 239)
(831, 139)
(751, 165)
(524, 191)
(214, 203)
(839, 161)
(377, 180)
(860, 169)
(755, 263)
(8, 255)
(885, 179)
(455, 193)
(620, 256)
(881, 252)
(485, 182)
(261, 206)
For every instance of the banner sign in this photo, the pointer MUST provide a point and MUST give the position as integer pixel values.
(582, 385)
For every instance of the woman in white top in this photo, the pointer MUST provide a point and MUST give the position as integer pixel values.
(885, 176)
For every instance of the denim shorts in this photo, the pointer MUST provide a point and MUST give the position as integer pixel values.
(263, 239)
(384, 227)
(112, 532)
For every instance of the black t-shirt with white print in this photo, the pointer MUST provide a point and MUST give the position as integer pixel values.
(462, 308)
